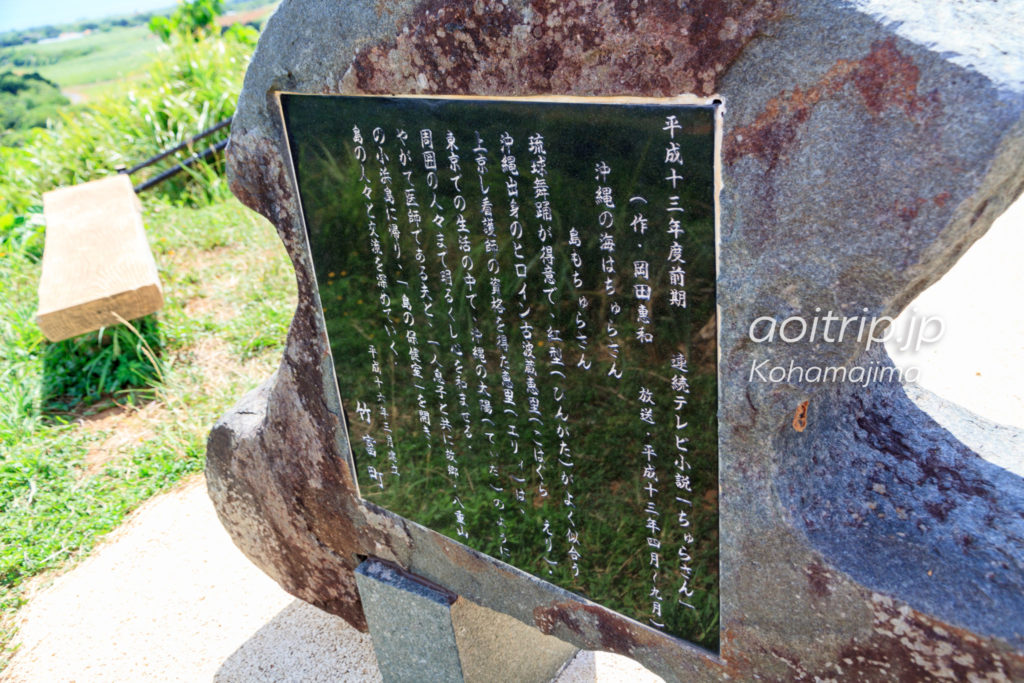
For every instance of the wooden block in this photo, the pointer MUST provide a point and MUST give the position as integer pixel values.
(96, 260)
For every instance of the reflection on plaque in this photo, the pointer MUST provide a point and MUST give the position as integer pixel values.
(520, 301)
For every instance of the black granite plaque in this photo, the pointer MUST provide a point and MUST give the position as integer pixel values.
(520, 301)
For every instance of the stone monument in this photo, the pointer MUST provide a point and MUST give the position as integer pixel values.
(590, 296)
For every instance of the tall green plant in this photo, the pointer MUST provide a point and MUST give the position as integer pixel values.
(192, 20)
(112, 361)
(191, 86)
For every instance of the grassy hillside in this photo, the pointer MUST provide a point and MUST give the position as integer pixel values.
(99, 56)
(92, 426)
(26, 101)
(88, 59)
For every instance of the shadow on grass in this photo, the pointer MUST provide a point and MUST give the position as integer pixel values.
(94, 371)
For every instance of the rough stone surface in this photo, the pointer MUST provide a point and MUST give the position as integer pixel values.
(411, 626)
(423, 632)
(857, 166)
(494, 646)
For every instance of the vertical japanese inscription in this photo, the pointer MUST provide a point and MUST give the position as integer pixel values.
(520, 300)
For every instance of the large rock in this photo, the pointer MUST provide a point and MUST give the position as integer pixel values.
(861, 156)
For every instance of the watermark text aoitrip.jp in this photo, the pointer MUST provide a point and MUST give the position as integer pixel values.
(913, 333)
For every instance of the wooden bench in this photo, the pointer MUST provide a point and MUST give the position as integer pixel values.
(97, 267)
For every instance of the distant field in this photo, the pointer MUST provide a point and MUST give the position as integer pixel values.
(92, 58)
(90, 91)
(86, 66)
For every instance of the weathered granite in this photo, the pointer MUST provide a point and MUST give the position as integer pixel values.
(857, 166)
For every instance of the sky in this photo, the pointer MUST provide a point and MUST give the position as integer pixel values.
(21, 14)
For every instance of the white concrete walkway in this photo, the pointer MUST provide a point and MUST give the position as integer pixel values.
(168, 597)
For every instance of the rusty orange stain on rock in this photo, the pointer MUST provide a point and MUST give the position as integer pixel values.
(800, 418)
(735, 661)
(818, 579)
(885, 79)
(908, 645)
(903, 645)
(615, 633)
(570, 47)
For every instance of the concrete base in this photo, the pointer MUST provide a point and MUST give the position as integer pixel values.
(421, 632)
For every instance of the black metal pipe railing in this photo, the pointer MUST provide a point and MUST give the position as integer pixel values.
(177, 148)
(181, 166)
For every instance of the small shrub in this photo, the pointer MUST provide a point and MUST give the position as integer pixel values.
(191, 20)
(115, 360)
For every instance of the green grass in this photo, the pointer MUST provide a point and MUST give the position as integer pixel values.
(229, 294)
(53, 509)
(90, 59)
